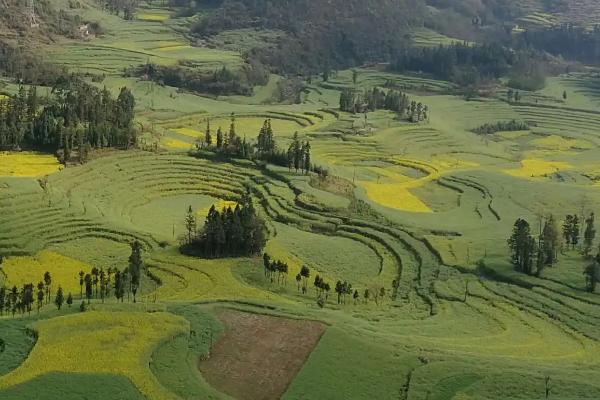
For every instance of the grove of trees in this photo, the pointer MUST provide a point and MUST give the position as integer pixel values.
(76, 118)
(354, 101)
(227, 233)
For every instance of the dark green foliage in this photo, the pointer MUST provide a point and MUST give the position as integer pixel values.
(275, 268)
(589, 235)
(221, 82)
(592, 274)
(230, 233)
(298, 155)
(77, 116)
(60, 298)
(376, 99)
(135, 267)
(321, 35)
(464, 64)
(571, 230)
(127, 7)
(502, 126)
(522, 246)
(567, 40)
(265, 142)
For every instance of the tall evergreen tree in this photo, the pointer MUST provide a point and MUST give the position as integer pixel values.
(60, 298)
(589, 235)
(208, 134)
(135, 267)
(190, 225)
(522, 246)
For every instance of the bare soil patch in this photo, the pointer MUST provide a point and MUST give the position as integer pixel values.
(258, 356)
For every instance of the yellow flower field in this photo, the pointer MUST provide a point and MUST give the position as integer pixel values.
(555, 142)
(27, 164)
(394, 195)
(175, 143)
(536, 168)
(219, 205)
(249, 127)
(152, 17)
(513, 134)
(189, 132)
(185, 279)
(101, 342)
(64, 270)
(392, 190)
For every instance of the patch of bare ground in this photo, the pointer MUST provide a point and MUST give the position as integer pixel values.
(258, 356)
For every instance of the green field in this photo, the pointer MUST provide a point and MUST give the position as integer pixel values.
(423, 204)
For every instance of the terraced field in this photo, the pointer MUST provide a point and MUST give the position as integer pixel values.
(421, 211)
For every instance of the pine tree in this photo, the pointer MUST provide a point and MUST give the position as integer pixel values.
(522, 246)
(589, 235)
(551, 241)
(219, 138)
(135, 267)
(48, 284)
(190, 225)
(208, 134)
(59, 299)
(40, 296)
(306, 163)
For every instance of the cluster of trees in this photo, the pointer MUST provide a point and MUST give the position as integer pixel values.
(343, 289)
(502, 126)
(377, 99)
(275, 268)
(320, 35)
(22, 300)
(514, 95)
(96, 284)
(467, 64)
(569, 41)
(297, 156)
(221, 82)
(531, 256)
(461, 63)
(229, 233)
(77, 118)
(570, 230)
(229, 143)
(28, 67)
(127, 7)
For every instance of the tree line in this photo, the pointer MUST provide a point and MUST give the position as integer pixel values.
(501, 126)
(531, 255)
(230, 232)
(98, 283)
(276, 271)
(297, 157)
(469, 64)
(352, 100)
(319, 35)
(74, 119)
(220, 82)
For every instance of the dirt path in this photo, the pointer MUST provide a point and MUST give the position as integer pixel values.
(258, 356)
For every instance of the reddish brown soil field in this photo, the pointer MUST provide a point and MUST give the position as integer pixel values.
(257, 356)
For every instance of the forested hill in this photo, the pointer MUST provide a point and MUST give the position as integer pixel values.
(15, 22)
(319, 33)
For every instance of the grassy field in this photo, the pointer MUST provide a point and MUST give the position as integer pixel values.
(420, 204)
